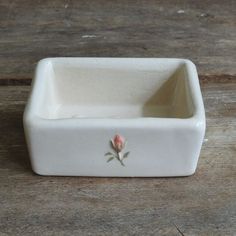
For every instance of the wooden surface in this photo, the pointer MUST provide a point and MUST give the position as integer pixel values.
(202, 204)
(203, 31)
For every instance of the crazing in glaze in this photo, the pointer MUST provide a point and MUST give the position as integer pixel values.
(118, 143)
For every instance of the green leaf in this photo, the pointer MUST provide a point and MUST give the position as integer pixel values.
(109, 153)
(110, 159)
(122, 163)
(126, 155)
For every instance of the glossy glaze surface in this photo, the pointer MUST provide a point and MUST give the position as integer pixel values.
(78, 105)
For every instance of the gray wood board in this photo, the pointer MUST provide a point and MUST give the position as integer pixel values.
(202, 204)
(203, 31)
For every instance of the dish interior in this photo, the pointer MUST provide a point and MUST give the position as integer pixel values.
(93, 90)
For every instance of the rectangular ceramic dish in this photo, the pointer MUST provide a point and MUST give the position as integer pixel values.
(115, 117)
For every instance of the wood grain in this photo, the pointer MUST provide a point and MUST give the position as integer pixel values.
(203, 31)
(202, 204)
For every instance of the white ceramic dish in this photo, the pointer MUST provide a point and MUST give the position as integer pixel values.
(115, 117)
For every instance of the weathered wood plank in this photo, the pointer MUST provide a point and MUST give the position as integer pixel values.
(203, 204)
(203, 31)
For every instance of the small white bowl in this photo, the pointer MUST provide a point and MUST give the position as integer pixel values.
(115, 117)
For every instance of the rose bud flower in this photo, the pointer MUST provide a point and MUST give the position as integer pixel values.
(118, 143)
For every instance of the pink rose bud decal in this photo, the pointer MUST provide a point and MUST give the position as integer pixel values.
(118, 144)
